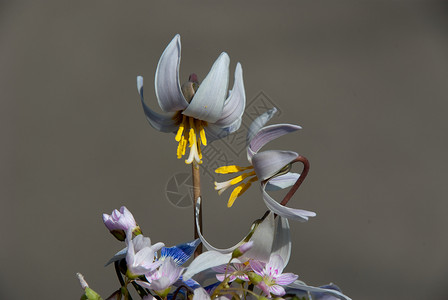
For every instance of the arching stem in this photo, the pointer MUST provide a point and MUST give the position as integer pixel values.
(293, 190)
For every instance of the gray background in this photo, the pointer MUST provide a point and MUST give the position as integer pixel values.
(366, 79)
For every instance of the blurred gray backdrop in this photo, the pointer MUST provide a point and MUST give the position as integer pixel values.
(367, 80)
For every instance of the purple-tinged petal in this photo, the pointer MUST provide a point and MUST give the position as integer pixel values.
(167, 85)
(275, 265)
(208, 101)
(257, 266)
(266, 289)
(282, 182)
(267, 134)
(163, 123)
(234, 105)
(277, 290)
(282, 240)
(286, 278)
(256, 125)
(283, 211)
(268, 163)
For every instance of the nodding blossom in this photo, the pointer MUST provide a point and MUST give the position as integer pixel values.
(270, 167)
(195, 111)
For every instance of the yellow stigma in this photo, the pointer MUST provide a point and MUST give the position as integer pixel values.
(196, 135)
(241, 188)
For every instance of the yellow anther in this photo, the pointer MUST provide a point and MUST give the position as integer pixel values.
(181, 129)
(241, 177)
(201, 132)
(239, 190)
(231, 169)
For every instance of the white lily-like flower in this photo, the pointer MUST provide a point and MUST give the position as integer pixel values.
(270, 167)
(195, 112)
(140, 255)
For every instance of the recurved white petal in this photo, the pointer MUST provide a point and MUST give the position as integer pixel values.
(282, 239)
(214, 132)
(208, 101)
(300, 285)
(283, 211)
(256, 125)
(163, 123)
(263, 239)
(268, 163)
(282, 181)
(206, 261)
(167, 85)
(234, 105)
(267, 134)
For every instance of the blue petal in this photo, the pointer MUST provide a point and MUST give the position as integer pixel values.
(180, 253)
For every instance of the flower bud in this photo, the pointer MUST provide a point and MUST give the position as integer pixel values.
(254, 278)
(242, 249)
(119, 222)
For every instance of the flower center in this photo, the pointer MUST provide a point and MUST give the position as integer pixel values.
(241, 187)
(196, 136)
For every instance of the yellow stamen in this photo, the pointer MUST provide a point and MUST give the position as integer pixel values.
(202, 132)
(180, 131)
(231, 169)
(241, 177)
(239, 190)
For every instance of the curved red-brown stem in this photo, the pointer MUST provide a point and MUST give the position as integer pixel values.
(293, 190)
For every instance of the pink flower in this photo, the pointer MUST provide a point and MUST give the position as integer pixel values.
(140, 255)
(233, 271)
(273, 279)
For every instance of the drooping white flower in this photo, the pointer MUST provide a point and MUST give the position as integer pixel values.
(270, 167)
(196, 112)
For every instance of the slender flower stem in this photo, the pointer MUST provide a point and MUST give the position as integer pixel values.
(117, 271)
(196, 194)
(293, 190)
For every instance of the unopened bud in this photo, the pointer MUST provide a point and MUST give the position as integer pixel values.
(254, 278)
(242, 249)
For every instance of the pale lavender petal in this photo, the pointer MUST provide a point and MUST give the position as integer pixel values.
(269, 133)
(118, 256)
(161, 284)
(286, 278)
(277, 290)
(257, 266)
(282, 181)
(255, 126)
(268, 163)
(163, 123)
(266, 289)
(208, 101)
(167, 85)
(286, 212)
(141, 242)
(275, 264)
(235, 103)
(144, 284)
(282, 240)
